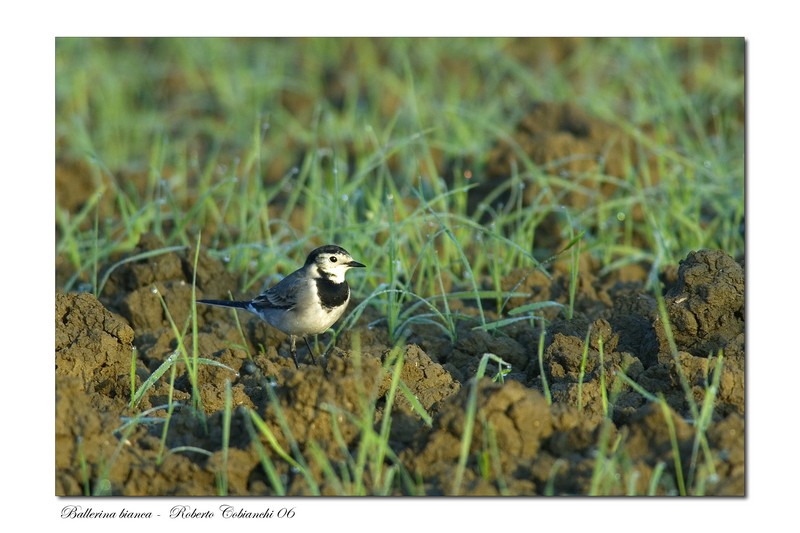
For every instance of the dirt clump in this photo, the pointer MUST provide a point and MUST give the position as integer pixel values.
(509, 416)
(93, 345)
(706, 305)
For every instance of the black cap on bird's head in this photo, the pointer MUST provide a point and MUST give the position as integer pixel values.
(334, 253)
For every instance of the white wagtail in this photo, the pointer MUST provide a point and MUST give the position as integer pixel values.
(306, 302)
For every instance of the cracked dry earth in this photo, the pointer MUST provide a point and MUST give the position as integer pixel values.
(538, 448)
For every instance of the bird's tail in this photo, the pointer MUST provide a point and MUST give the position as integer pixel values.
(226, 303)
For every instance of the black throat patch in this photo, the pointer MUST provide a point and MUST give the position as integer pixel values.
(332, 294)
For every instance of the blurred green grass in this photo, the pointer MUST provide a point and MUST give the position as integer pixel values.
(269, 146)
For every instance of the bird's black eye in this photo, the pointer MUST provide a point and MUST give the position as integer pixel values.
(333, 259)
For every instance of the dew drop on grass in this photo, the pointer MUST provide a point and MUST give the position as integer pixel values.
(621, 216)
(154, 289)
(226, 258)
(249, 367)
(84, 287)
(345, 198)
(103, 487)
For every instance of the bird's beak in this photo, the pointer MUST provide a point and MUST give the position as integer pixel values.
(354, 264)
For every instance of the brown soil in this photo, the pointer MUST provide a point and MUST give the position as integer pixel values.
(521, 445)
(537, 445)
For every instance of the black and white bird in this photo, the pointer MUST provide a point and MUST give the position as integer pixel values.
(306, 302)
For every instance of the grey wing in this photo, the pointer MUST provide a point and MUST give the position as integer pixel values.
(283, 295)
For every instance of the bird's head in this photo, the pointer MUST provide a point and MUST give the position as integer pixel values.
(330, 262)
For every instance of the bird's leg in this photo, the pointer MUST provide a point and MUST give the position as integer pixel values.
(324, 370)
(293, 348)
(310, 351)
